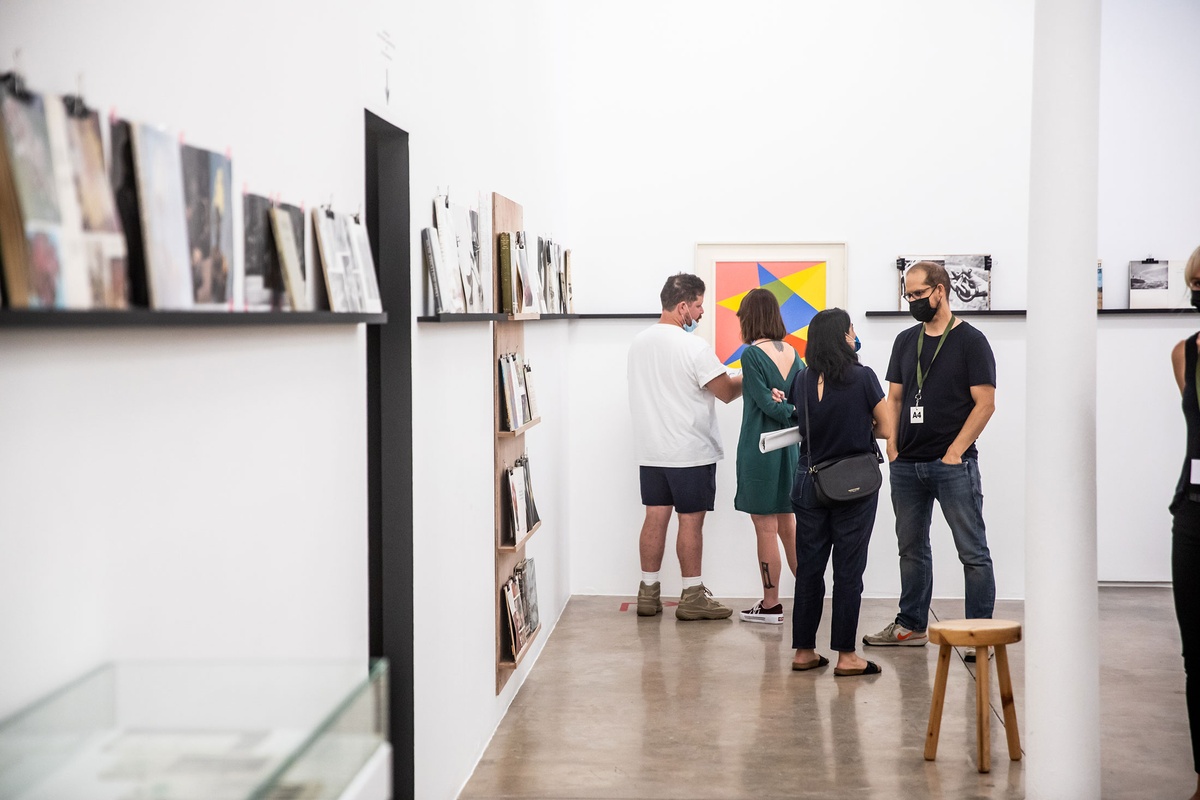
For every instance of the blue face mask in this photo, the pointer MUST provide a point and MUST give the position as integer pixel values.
(691, 326)
(857, 344)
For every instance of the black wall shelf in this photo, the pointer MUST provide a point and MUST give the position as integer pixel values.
(1001, 312)
(538, 318)
(1162, 312)
(146, 318)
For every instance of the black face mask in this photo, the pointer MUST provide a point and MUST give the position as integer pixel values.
(921, 310)
(1196, 298)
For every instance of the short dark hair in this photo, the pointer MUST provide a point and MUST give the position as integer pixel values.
(681, 288)
(827, 351)
(760, 317)
(935, 274)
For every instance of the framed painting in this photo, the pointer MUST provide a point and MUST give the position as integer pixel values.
(805, 279)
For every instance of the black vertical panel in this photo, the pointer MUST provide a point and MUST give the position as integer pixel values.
(389, 428)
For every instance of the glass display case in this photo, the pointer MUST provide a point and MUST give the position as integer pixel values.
(199, 730)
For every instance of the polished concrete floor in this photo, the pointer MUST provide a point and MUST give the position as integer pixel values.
(624, 707)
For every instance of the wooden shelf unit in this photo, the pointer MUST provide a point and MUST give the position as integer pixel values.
(508, 336)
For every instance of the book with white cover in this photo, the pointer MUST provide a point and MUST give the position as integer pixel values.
(289, 258)
(455, 299)
(360, 250)
(468, 265)
(486, 241)
(159, 172)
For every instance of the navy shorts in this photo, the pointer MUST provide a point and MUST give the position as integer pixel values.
(689, 489)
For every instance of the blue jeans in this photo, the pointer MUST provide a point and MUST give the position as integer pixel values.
(957, 488)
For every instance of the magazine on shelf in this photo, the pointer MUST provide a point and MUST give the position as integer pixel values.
(122, 179)
(460, 221)
(207, 194)
(289, 258)
(449, 272)
(568, 291)
(532, 518)
(341, 276)
(159, 173)
(526, 579)
(526, 265)
(485, 241)
(508, 411)
(522, 397)
(431, 249)
(105, 250)
(261, 278)
(530, 393)
(504, 259)
(515, 615)
(30, 217)
(519, 519)
(360, 251)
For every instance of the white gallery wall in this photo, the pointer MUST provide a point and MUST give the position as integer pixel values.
(186, 492)
(203, 493)
(895, 129)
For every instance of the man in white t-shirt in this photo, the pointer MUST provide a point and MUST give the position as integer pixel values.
(674, 378)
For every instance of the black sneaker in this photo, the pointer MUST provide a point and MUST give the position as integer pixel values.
(771, 616)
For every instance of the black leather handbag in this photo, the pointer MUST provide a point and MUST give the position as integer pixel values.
(845, 479)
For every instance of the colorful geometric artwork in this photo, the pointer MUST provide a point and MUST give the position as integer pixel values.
(799, 286)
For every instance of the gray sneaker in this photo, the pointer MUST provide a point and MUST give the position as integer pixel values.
(697, 602)
(649, 599)
(896, 635)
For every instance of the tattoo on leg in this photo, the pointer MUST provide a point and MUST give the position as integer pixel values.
(766, 570)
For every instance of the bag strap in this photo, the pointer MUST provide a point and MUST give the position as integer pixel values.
(812, 468)
(807, 433)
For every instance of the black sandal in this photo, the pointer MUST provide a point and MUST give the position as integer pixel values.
(870, 669)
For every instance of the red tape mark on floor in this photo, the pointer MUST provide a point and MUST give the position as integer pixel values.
(628, 605)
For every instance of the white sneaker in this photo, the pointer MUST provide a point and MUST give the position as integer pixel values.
(896, 635)
(771, 616)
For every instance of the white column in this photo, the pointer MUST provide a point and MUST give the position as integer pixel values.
(1062, 673)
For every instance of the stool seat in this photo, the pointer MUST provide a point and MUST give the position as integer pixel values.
(975, 632)
(980, 634)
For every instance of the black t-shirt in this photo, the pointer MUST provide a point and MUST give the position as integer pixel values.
(841, 420)
(965, 360)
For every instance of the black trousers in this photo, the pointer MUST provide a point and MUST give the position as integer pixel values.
(1185, 575)
(844, 531)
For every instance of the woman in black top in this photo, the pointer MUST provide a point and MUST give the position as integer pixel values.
(846, 411)
(1185, 531)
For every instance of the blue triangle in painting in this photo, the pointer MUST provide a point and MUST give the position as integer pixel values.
(737, 354)
(765, 277)
(797, 312)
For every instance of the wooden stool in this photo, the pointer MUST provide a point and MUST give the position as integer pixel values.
(980, 634)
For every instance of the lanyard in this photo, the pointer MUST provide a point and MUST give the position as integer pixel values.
(941, 341)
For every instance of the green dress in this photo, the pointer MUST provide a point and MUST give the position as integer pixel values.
(764, 480)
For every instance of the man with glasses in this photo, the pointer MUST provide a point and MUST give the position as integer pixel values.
(942, 393)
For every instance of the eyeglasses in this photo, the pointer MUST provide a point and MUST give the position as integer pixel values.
(917, 295)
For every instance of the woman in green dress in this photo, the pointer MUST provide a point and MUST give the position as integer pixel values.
(764, 480)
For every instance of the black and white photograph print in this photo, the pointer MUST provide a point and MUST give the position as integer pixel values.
(1148, 274)
(1157, 284)
(970, 279)
(262, 274)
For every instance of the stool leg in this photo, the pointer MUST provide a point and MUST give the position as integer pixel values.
(983, 709)
(1006, 700)
(935, 708)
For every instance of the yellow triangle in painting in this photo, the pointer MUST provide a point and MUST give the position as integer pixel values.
(809, 284)
(733, 302)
